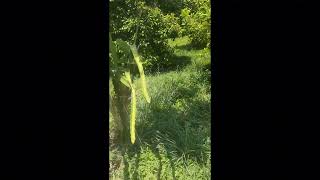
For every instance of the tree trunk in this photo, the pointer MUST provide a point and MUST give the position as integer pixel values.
(120, 106)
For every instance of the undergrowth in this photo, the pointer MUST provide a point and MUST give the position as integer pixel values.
(173, 131)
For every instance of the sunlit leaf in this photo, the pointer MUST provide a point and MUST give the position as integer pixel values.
(142, 76)
(133, 115)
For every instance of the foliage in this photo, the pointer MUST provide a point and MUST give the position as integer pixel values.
(154, 29)
(172, 139)
(155, 21)
(173, 6)
(196, 22)
(172, 25)
(173, 130)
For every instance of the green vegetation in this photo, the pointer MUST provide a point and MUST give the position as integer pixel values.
(156, 22)
(166, 43)
(122, 57)
(173, 131)
(196, 22)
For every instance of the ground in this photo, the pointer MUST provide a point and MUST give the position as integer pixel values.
(173, 131)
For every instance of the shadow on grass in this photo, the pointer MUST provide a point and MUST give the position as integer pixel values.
(131, 152)
(126, 174)
(178, 132)
(175, 63)
(135, 175)
(189, 47)
(156, 152)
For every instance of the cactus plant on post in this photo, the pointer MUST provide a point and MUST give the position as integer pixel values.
(123, 58)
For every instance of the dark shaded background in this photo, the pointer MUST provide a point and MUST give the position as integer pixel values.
(53, 57)
(266, 83)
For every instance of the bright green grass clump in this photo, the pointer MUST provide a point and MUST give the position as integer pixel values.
(173, 131)
(199, 58)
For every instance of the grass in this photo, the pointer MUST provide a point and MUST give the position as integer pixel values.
(198, 58)
(173, 131)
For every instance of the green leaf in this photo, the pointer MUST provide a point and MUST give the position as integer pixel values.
(128, 77)
(142, 76)
(133, 116)
(124, 81)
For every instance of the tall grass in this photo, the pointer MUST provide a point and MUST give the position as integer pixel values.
(173, 131)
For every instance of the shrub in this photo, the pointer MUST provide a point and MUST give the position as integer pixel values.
(154, 29)
(196, 22)
(167, 7)
(172, 25)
